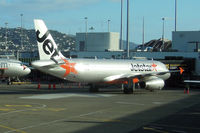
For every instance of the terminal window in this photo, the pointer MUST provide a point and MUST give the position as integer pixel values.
(81, 45)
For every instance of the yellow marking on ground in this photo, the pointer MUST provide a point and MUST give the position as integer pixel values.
(6, 109)
(155, 130)
(28, 106)
(20, 83)
(12, 129)
(55, 109)
(49, 109)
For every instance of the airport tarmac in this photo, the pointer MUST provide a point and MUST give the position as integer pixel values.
(25, 109)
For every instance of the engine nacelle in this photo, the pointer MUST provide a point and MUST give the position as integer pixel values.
(154, 84)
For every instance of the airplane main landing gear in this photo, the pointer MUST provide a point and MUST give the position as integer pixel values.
(93, 88)
(128, 88)
(9, 81)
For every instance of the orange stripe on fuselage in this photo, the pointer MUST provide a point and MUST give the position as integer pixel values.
(135, 80)
(117, 82)
(3, 68)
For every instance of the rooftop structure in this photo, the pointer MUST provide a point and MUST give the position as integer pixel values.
(186, 41)
(97, 41)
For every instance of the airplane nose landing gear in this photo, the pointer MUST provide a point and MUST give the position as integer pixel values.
(129, 87)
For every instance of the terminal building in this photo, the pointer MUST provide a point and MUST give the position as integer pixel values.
(98, 41)
(186, 41)
(184, 50)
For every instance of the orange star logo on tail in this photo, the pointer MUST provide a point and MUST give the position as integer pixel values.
(69, 67)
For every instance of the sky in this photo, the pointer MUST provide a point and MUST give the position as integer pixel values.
(67, 16)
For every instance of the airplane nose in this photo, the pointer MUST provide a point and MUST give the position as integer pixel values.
(26, 70)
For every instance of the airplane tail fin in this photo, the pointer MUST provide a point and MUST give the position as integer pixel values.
(46, 45)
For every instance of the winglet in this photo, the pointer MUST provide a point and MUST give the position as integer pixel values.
(181, 70)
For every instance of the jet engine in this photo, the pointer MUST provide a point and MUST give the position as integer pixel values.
(153, 84)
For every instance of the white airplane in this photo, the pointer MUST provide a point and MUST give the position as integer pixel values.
(12, 68)
(149, 73)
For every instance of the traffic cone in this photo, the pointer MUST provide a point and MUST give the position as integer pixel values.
(188, 91)
(54, 86)
(61, 85)
(39, 85)
(49, 86)
(79, 85)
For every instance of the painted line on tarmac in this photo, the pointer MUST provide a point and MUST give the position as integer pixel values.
(172, 126)
(127, 103)
(158, 103)
(12, 129)
(154, 130)
(16, 111)
(9, 105)
(59, 120)
(66, 95)
(7, 109)
(101, 120)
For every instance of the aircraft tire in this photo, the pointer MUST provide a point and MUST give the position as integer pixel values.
(127, 90)
(93, 88)
(8, 83)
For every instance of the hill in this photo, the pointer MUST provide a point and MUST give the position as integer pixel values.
(25, 39)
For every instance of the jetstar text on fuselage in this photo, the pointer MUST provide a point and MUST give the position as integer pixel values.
(143, 67)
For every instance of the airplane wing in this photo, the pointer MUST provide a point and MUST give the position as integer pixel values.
(133, 75)
(49, 64)
(191, 81)
(138, 75)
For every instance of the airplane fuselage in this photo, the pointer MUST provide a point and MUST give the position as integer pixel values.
(149, 74)
(99, 70)
(12, 68)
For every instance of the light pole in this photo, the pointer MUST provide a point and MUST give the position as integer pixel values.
(108, 25)
(143, 34)
(6, 26)
(175, 14)
(163, 31)
(21, 32)
(121, 28)
(86, 25)
(127, 32)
